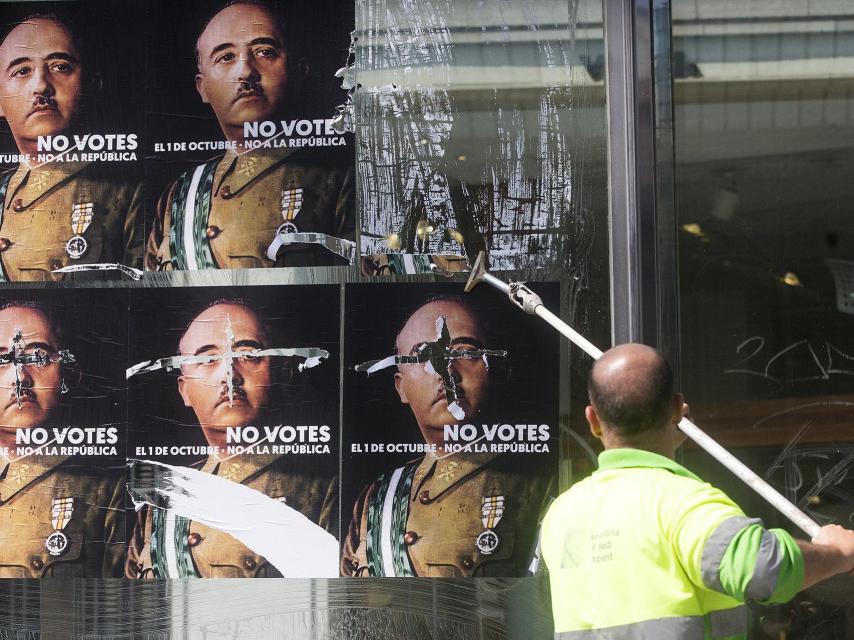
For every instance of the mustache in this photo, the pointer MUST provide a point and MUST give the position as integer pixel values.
(237, 394)
(442, 395)
(26, 393)
(44, 101)
(248, 88)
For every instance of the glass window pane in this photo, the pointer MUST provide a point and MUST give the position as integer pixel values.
(764, 129)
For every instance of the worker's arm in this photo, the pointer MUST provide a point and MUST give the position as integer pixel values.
(831, 552)
(724, 550)
(768, 565)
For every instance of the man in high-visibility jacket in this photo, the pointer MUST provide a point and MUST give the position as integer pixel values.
(643, 549)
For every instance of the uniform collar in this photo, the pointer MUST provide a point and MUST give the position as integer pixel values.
(239, 170)
(28, 184)
(625, 458)
(23, 471)
(437, 475)
(241, 467)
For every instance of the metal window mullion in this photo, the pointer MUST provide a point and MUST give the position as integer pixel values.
(632, 172)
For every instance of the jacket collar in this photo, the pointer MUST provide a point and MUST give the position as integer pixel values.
(437, 475)
(239, 468)
(29, 184)
(239, 170)
(631, 458)
(18, 474)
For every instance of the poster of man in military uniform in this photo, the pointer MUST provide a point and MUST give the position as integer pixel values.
(251, 169)
(71, 194)
(450, 433)
(62, 434)
(242, 386)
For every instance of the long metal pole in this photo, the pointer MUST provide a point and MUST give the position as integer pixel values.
(531, 303)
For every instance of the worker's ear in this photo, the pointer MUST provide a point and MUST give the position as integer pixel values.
(593, 421)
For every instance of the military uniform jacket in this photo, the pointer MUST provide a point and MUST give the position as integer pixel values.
(89, 501)
(226, 213)
(202, 551)
(437, 511)
(37, 210)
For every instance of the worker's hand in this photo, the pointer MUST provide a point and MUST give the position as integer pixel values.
(679, 436)
(839, 538)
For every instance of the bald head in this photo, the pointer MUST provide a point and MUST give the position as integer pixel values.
(631, 388)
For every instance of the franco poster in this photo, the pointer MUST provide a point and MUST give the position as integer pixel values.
(62, 433)
(450, 431)
(233, 432)
(71, 143)
(247, 166)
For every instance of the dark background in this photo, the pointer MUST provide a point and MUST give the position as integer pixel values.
(525, 386)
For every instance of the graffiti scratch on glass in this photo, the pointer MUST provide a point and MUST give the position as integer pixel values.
(814, 474)
(823, 361)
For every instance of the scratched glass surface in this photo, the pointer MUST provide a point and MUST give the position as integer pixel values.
(480, 126)
(764, 128)
(378, 609)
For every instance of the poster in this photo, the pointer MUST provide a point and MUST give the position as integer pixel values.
(62, 433)
(246, 167)
(71, 142)
(450, 432)
(234, 432)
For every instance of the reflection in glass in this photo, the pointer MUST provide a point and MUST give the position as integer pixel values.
(764, 129)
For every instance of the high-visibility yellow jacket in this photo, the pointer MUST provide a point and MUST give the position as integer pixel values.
(643, 549)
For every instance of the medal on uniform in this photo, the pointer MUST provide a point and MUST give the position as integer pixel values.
(81, 218)
(60, 514)
(291, 205)
(491, 512)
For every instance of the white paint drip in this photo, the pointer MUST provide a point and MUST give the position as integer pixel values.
(229, 362)
(288, 540)
(456, 410)
(313, 357)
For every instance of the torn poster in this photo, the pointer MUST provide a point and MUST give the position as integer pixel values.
(439, 358)
(62, 433)
(453, 159)
(450, 443)
(252, 169)
(248, 397)
(294, 545)
(70, 162)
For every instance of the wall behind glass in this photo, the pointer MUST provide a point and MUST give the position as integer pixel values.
(764, 128)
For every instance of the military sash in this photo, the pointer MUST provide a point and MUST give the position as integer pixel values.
(191, 208)
(4, 184)
(170, 549)
(388, 512)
